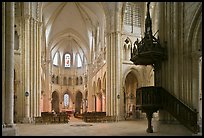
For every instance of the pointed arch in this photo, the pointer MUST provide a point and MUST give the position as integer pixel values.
(55, 101)
(78, 102)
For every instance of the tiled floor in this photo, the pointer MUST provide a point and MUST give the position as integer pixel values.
(121, 128)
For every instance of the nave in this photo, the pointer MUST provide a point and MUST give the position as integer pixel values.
(77, 127)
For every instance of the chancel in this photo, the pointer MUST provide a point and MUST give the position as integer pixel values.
(101, 68)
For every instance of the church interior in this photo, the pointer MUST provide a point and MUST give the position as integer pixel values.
(101, 62)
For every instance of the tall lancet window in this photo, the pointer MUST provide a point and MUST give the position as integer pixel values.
(56, 59)
(67, 60)
(66, 100)
(78, 60)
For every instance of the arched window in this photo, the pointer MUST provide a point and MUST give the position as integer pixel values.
(66, 100)
(78, 61)
(67, 59)
(56, 59)
(127, 45)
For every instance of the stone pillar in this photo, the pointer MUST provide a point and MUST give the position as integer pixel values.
(39, 26)
(92, 48)
(162, 35)
(3, 61)
(108, 84)
(176, 49)
(48, 74)
(195, 79)
(159, 18)
(9, 63)
(31, 67)
(118, 49)
(112, 65)
(200, 93)
(181, 46)
(109, 77)
(27, 68)
(35, 59)
(114, 62)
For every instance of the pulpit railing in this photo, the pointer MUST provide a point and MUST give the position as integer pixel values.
(148, 96)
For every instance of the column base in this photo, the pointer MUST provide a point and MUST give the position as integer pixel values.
(9, 130)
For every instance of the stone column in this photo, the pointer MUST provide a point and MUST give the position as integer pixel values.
(176, 49)
(181, 50)
(195, 79)
(39, 26)
(162, 35)
(109, 76)
(118, 58)
(31, 67)
(3, 61)
(108, 84)
(9, 63)
(113, 68)
(27, 68)
(48, 87)
(114, 62)
(200, 92)
(92, 47)
(35, 59)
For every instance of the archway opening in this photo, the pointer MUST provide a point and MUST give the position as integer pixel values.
(55, 101)
(131, 84)
(78, 104)
(99, 102)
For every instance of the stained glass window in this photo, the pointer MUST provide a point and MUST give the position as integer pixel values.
(67, 60)
(66, 100)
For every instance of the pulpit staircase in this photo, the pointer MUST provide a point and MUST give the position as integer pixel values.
(151, 99)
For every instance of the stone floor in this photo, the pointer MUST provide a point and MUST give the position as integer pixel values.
(77, 127)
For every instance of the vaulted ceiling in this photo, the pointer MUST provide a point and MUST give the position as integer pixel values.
(71, 21)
